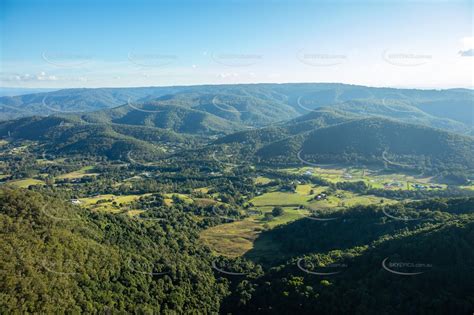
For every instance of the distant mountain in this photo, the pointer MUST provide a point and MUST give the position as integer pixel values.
(402, 111)
(72, 100)
(262, 104)
(328, 122)
(8, 91)
(376, 140)
(163, 115)
(319, 118)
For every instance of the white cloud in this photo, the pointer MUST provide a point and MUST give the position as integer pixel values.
(468, 42)
(467, 53)
(228, 75)
(468, 47)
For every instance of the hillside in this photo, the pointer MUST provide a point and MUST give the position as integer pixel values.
(72, 260)
(319, 118)
(72, 100)
(402, 111)
(377, 264)
(375, 140)
(165, 116)
(60, 135)
(262, 104)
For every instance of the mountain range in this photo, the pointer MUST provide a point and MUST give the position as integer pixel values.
(277, 122)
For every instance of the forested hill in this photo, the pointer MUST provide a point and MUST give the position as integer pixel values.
(261, 104)
(70, 135)
(376, 140)
(73, 100)
(366, 263)
(59, 258)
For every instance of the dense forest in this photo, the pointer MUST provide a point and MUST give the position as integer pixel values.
(58, 258)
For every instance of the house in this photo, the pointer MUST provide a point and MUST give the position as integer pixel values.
(76, 201)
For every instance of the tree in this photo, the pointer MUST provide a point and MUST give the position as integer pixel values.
(277, 211)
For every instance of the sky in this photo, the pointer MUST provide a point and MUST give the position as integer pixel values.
(101, 43)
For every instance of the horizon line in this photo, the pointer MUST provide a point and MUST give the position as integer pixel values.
(246, 83)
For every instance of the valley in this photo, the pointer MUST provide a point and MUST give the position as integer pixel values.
(237, 157)
(168, 190)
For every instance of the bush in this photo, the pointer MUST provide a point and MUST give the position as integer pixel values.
(277, 211)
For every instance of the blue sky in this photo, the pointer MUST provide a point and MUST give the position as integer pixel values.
(87, 43)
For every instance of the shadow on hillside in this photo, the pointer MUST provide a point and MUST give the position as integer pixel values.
(437, 265)
(356, 228)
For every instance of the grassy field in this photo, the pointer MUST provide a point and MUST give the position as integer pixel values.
(372, 177)
(279, 198)
(169, 201)
(290, 214)
(236, 238)
(338, 199)
(134, 213)
(79, 173)
(232, 239)
(204, 190)
(261, 180)
(106, 202)
(25, 183)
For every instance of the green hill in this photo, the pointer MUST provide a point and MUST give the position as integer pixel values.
(318, 118)
(59, 258)
(165, 116)
(262, 104)
(375, 140)
(367, 263)
(61, 135)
